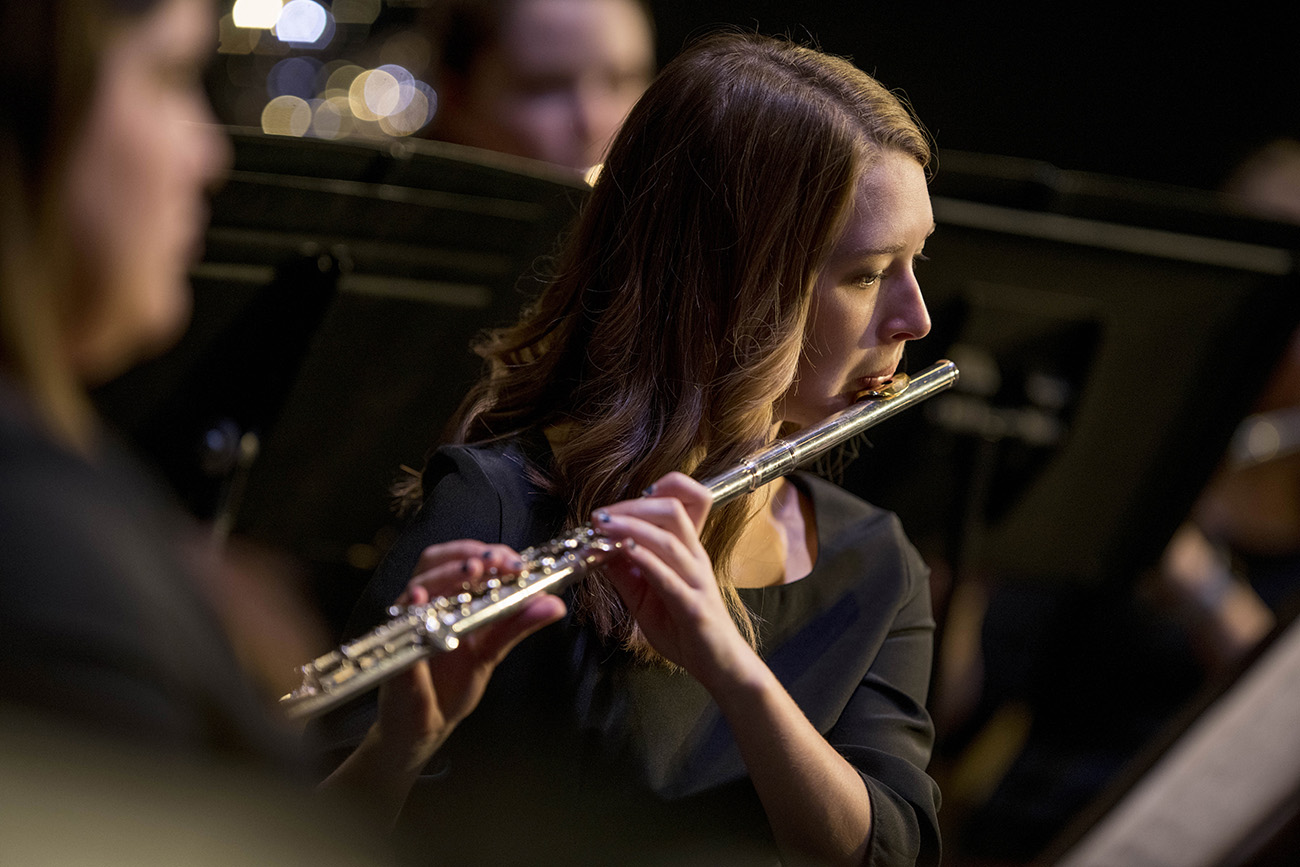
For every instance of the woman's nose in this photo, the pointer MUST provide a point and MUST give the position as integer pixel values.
(908, 317)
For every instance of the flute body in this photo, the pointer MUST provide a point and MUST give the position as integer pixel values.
(418, 631)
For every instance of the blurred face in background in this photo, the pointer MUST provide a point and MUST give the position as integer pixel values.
(137, 188)
(558, 82)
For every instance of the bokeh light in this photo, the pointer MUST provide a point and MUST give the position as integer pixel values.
(304, 22)
(417, 112)
(233, 39)
(373, 94)
(287, 115)
(405, 87)
(256, 14)
(282, 62)
(293, 76)
(332, 118)
(341, 77)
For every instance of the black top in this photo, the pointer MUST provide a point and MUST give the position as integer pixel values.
(578, 754)
(102, 628)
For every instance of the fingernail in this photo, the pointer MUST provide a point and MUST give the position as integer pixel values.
(517, 565)
(648, 492)
(464, 567)
(487, 555)
(603, 517)
(629, 543)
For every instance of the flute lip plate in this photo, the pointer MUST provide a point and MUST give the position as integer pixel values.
(896, 385)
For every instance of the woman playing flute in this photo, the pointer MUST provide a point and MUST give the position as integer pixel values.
(745, 684)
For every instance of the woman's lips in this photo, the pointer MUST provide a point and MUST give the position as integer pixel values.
(867, 385)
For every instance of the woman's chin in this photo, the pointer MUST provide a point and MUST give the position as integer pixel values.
(112, 347)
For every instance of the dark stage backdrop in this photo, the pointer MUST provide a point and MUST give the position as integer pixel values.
(1172, 95)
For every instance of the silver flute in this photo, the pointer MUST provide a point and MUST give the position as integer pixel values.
(418, 631)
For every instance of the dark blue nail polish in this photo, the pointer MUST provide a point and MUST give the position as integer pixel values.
(648, 492)
(603, 517)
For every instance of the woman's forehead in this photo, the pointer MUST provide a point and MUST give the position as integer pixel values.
(890, 211)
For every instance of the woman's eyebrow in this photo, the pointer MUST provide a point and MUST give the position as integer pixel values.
(886, 250)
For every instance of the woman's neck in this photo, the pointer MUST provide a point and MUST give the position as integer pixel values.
(779, 544)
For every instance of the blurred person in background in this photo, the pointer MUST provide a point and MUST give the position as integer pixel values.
(113, 614)
(1251, 508)
(550, 80)
(1234, 566)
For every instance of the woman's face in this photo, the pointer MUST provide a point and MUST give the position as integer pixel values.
(137, 188)
(559, 82)
(866, 303)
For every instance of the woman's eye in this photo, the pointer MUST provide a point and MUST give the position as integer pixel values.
(868, 281)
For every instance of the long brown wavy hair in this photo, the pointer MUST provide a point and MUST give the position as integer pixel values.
(676, 316)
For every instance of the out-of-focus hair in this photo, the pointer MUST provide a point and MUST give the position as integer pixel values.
(676, 318)
(50, 52)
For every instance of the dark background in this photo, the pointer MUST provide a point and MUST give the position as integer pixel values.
(1169, 95)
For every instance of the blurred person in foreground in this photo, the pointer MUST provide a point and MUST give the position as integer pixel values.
(109, 622)
(550, 80)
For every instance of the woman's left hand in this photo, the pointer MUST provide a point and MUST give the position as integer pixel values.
(666, 579)
(420, 706)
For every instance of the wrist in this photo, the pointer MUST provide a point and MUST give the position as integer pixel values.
(740, 679)
(400, 753)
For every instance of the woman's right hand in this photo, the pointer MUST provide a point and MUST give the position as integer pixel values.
(666, 580)
(817, 803)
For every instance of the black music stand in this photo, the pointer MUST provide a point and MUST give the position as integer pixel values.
(1219, 787)
(334, 308)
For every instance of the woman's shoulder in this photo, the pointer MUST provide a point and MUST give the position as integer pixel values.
(486, 491)
(103, 622)
(499, 480)
(70, 523)
(502, 464)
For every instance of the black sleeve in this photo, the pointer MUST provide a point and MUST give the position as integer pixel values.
(462, 501)
(76, 640)
(102, 625)
(886, 732)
